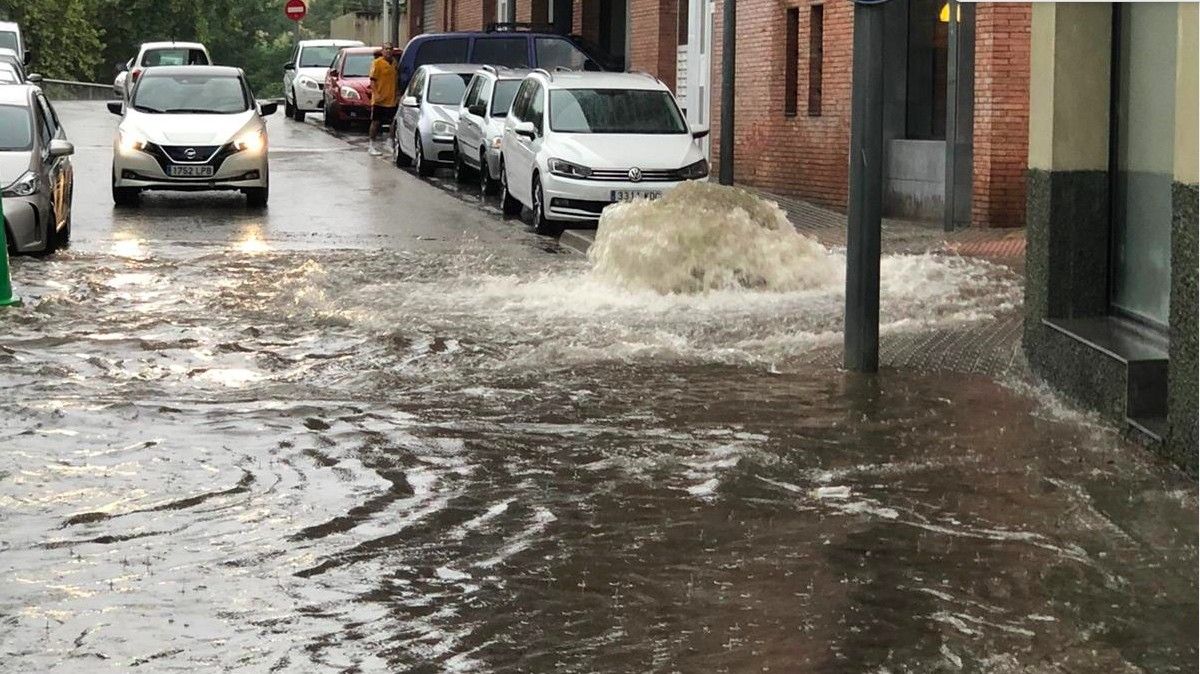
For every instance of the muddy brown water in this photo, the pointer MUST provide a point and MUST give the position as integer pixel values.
(249, 459)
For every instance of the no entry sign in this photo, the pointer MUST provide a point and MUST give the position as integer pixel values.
(295, 9)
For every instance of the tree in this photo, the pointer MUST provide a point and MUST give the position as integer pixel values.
(63, 35)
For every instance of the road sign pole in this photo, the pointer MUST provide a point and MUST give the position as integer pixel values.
(7, 298)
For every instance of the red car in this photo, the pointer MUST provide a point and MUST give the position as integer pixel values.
(348, 87)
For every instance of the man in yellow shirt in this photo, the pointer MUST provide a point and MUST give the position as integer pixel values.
(383, 94)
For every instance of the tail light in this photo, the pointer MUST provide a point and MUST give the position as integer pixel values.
(136, 72)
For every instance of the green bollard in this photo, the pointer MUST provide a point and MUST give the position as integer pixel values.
(7, 298)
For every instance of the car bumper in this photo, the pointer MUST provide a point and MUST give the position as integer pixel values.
(438, 148)
(351, 111)
(28, 222)
(492, 157)
(309, 100)
(240, 170)
(583, 200)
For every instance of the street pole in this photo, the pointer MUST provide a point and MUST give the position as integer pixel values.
(728, 66)
(951, 190)
(394, 21)
(866, 191)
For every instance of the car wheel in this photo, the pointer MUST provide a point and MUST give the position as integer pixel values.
(461, 171)
(400, 159)
(52, 236)
(487, 185)
(256, 197)
(423, 167)
(297, 113)
(64, 234)
(125, 196)
(541, 224)
(288, 108)
(508, 204)
(330, 117)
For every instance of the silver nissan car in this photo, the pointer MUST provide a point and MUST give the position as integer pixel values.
(36, 175)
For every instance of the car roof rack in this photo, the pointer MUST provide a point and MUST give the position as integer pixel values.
(489, 68)
(518, 27)
(545, 72)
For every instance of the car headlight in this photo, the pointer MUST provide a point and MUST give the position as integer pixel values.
(561, 167)
(251, 141)
(25, 186)
(695, 171)
(442, 128)
(307, 82)
(131, 141)
(496, 142)
(349, 93)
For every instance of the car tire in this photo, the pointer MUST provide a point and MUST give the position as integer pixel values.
(257, 197)
(508, 204)
(288, 108)
(297, 113)
(52, 236)
(487, 184)
(64, 235)
(400, 159)
(542, 224)
(330, 117)
(125, 196)
(422, 166)
(462, 172)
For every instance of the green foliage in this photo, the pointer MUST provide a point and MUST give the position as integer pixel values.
(87, 39)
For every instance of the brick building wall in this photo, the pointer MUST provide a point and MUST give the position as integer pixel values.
(653, 38)
(1001, 113)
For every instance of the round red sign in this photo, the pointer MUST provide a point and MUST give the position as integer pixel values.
(295, 9)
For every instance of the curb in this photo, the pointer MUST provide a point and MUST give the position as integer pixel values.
(578, 240)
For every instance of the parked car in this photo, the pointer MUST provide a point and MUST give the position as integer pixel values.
(191, 128)
(10, 58)
(304, 74)
(12, 38)
(158, 54)
(36, 175)
(347, 94)
(480, 127)
(510, 45)
(9, 74)
(574, 143)
(423, 135)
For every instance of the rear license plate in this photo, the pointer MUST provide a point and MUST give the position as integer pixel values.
(630, 195)
(190, 171)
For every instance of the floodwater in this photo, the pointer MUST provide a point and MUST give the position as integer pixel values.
(245, 458)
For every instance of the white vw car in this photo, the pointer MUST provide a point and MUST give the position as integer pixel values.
(575, 142)
(304, 75)
(193, 128)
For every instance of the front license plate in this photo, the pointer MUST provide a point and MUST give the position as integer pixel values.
(630, 195)
(190, 171)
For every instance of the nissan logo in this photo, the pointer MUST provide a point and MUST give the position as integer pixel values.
(635, 174)
(190, 153)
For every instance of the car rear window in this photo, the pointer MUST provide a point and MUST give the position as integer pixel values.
(8, 40)
(16, 134)
(512, 52)
(447, 89)
(318, 56)
(175, 57)
(450, 50)
(358, 65)
(558, 53)
(8, 76)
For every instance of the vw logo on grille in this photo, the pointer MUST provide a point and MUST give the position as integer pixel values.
(635, 174)
(190, 153)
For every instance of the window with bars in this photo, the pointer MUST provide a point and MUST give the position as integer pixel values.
(791, 58)
(816, 58)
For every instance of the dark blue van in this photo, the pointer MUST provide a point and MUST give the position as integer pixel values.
(510, 45)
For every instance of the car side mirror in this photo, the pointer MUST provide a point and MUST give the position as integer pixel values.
(699, 132)
(34, 78)
(289, 66)
(116, 107)
(61, 148)
(334, 74)
(410, 102)
(476, 110)
(28, 56)
(122, 67)
(525, 129)
(267, 109)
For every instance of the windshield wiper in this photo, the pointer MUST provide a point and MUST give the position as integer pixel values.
(146, 108)
(192, 111)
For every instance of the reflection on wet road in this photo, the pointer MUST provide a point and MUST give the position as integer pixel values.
(241, 455)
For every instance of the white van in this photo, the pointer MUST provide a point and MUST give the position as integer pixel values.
(11, 38)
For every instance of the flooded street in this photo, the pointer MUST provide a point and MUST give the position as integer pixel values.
(409, 436)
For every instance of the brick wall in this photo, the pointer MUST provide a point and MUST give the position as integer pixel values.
(800, 155)
(1001, 114)
(653, 25)
(470, 14)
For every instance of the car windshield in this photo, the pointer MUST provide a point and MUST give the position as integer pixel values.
(614, 111)
(174, 57)
(8, 40)
(200, 94)
(16, 135)
(447, 89)
(358, 65)
(318, 57)
(502, 97)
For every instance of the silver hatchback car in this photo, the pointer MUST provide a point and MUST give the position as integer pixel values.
(423, 132)
(36, 175)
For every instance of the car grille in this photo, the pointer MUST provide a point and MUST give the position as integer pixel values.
(179, 153)
(648, 175)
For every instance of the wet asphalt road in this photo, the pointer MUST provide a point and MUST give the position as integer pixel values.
(379, 428)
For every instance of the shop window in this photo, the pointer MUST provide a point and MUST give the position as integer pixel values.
(816, 58)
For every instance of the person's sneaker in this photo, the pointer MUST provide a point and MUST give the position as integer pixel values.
(373, 151)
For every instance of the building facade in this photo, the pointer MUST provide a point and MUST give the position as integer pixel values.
(793, 89)
(1111, 297)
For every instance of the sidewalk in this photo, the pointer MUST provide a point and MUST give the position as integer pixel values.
(988, 347)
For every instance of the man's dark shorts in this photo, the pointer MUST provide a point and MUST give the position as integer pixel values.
(381, 114)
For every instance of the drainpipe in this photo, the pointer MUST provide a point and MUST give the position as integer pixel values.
(728, 65)
(951, 189)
